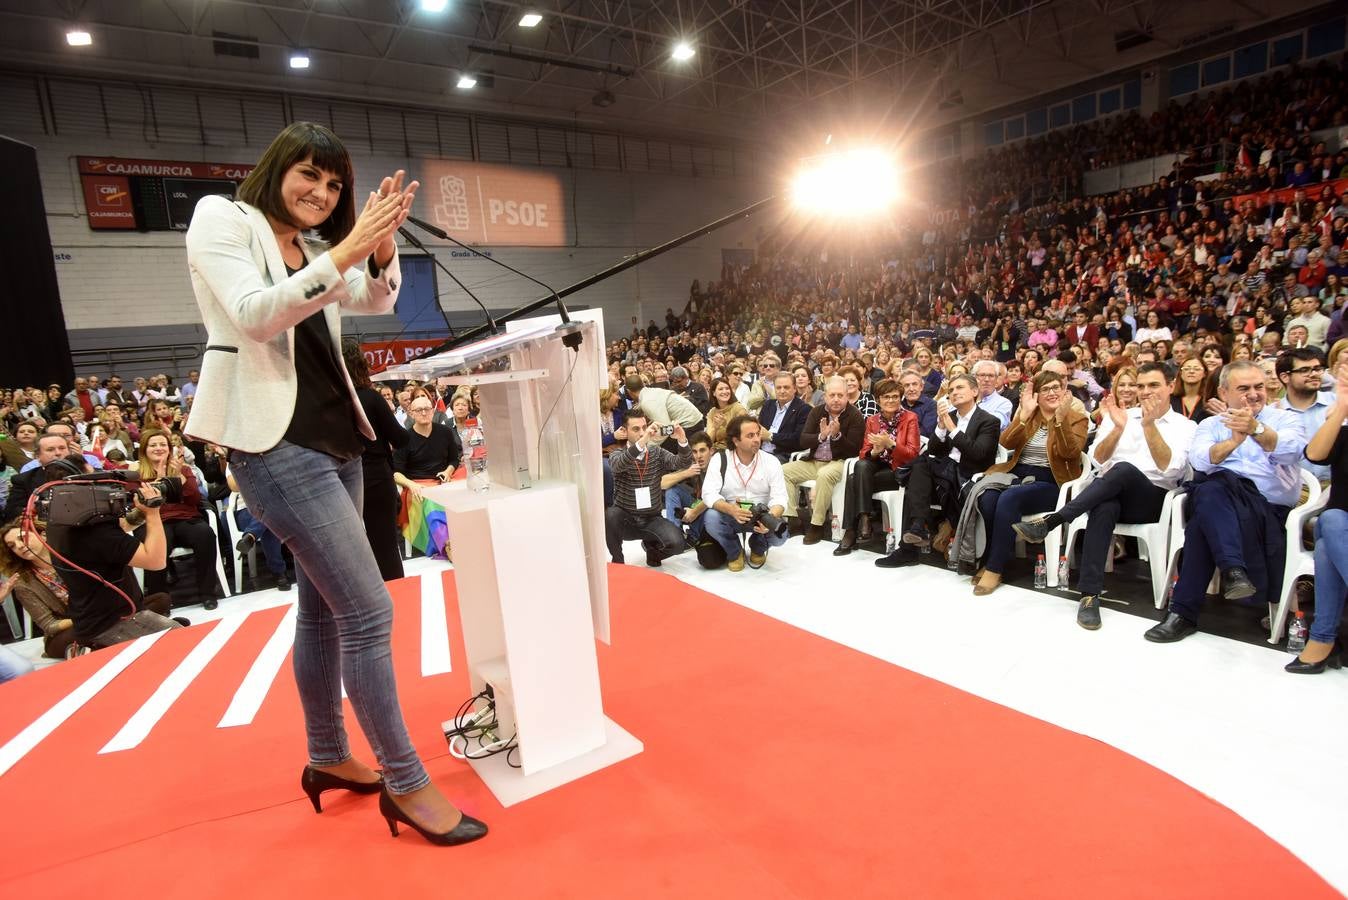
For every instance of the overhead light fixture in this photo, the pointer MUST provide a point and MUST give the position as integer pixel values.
(434, 5)
(828, 139)
(529, 20)
(466, 82)
(299, 59)
(78, 37)
(683, 51)
(604, 99)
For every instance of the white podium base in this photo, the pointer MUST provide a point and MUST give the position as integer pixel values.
(511, 785)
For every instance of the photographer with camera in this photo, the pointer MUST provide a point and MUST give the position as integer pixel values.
(745, 492)
(181, 515)
(638, 496)
(93, 556)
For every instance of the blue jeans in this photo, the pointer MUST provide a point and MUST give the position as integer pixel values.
(271, 544)
(725, 531)
(1002, 509)
(312, 502)
(680, 495)
(1331, 573)
(12, 665)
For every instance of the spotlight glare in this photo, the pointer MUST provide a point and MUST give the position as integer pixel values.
(529, 20)
(434, 6)
(854, 183)
(299, 60)
(79, 38)
(466, 82)
(683, 51)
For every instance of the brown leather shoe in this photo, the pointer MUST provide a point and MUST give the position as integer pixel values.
(815, 534)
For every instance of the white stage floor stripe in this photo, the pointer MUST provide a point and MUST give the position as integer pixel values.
(434, 626)
(30, 737)
(138, 727)
(248, 698)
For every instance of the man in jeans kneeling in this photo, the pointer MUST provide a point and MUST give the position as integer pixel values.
(638, 499)
(739, 483)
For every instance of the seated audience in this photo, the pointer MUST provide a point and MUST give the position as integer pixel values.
(1045, 440)
(638, 498)
(988, 374)
(183, 524)
(1246, 480)
(783, 418)
(890, 444)
(738, 484)
(964, 444)
(431, 454)
(832, 434)
(1190, 395)
(1299, 372)
(1328, 447)
(1142, 453)
(914, 402)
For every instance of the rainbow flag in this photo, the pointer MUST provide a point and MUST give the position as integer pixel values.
(424, 525)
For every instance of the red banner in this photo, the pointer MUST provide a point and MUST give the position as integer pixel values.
(162, 168)
(1287, 194)
(382, 354)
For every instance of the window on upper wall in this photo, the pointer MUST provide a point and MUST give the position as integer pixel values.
(1286, 50)
(1036, 121)
(992, 133)
(1015, 128)
(1132, 94)
(1059, 116)
(1110, 101)
(1251, 60)
(1215, 71)
(1083, 108)
(1325, 38)
(1184, 79)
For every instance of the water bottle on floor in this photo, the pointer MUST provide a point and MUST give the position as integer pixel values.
(1040, 573)
(1296, 633)
(475, 450)
(1064, 572)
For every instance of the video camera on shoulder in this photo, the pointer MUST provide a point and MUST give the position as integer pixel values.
(81, 499)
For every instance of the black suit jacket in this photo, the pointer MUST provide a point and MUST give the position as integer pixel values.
(977, 444)
(787, 438)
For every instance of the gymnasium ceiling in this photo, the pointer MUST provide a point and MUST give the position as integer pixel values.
(762, 69)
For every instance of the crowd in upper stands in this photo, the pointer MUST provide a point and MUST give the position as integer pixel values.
(1168, 333)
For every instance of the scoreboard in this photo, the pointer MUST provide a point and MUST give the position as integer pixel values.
(151, 194)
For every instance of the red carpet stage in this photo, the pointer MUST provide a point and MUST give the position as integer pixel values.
(777, 764)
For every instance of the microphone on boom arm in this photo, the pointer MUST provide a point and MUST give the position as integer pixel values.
(411, 239)
(572, 340)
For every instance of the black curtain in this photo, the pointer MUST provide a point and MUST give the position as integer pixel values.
(35, 350)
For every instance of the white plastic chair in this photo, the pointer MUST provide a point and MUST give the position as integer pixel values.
(1152, 537)
(212, 518)
(232, 536)
(1296, 557)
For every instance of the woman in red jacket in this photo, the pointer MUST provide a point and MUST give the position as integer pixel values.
(890, 445)
(183, 522)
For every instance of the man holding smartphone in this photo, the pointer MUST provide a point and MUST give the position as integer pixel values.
(638, 497)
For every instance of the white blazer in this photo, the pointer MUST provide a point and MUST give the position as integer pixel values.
(250, 306)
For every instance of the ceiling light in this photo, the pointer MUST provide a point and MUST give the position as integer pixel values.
(529, 20)
(299, 59)
(79, 38)
(683, 51)
(434, 5)
(466, 82)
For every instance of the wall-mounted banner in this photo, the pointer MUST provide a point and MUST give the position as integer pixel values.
(499, 205)
(382, 354)
(151, 194)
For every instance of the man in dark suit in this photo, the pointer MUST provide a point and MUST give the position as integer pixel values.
(964, 444)
(782, 418)
(693, 391)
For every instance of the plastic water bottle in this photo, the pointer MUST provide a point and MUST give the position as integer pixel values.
(1296, 633)
(891, 540)
(1064, 572)
(1040, 573)
(477, 459)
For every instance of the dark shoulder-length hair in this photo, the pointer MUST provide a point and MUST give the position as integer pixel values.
(299, 142)
(357, 366)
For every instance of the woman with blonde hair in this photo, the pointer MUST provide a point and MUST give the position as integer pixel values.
(182, 518)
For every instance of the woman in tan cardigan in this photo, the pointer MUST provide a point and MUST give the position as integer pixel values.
(724, 410)
(1045, 437)
(26, 565)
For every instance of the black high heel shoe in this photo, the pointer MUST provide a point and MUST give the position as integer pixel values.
(316, 781)
(468, 829)
(1332, 661)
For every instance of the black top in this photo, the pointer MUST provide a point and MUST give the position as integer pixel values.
(1200, 411)
(105, 550)
(389, 435)
(1338, 470)
(425, 457)
(324, 418)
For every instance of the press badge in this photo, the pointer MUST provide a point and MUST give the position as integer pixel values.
(643, 498)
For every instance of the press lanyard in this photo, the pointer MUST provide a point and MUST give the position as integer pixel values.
(744, 482)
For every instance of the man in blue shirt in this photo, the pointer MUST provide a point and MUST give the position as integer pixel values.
(1300, 370)
(851, 340)
(1247, 479)
(989, 375)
